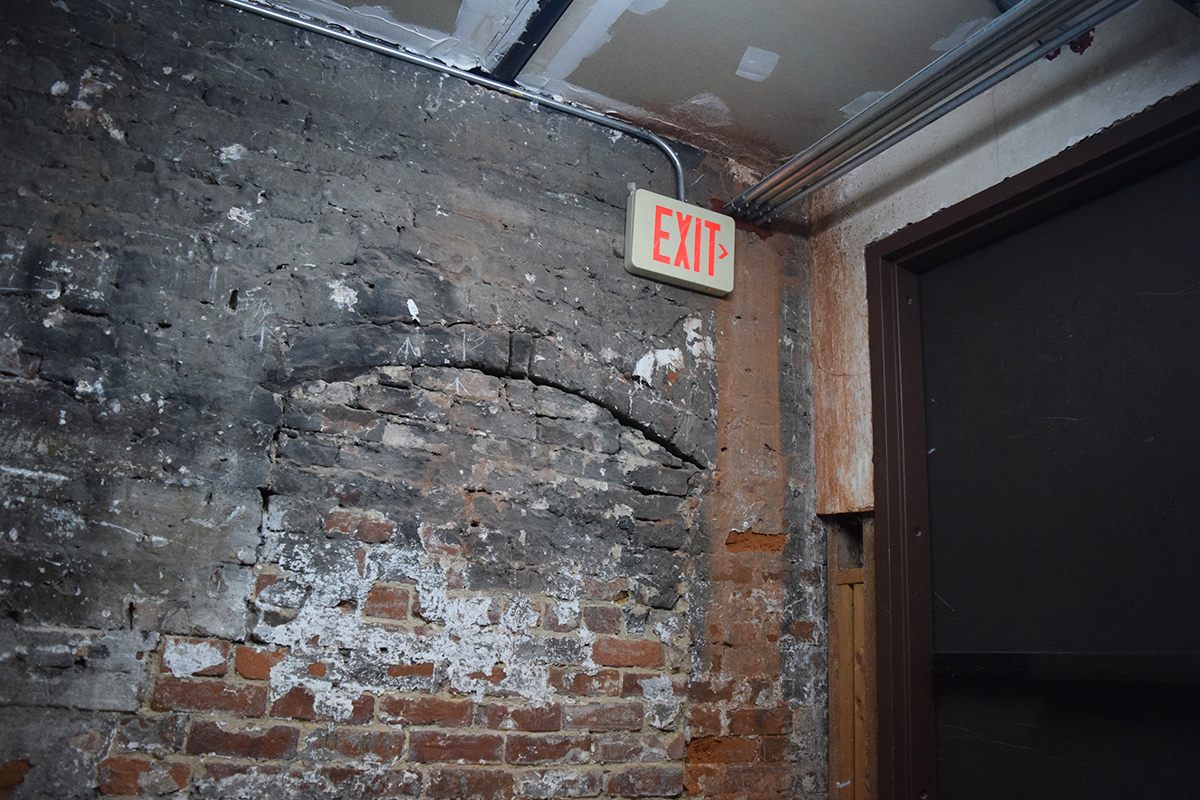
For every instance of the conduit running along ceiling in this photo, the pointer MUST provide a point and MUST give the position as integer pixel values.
(756, 80)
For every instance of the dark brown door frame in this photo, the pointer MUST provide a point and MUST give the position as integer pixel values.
(1155, 138)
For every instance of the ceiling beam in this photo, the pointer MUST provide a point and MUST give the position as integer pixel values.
(548, 14)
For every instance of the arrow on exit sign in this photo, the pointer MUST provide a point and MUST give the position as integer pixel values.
(674, 242)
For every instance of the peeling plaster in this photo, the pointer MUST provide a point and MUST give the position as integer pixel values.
(757, 64)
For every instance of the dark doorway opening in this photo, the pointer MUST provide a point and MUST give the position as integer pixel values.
(1036, 505)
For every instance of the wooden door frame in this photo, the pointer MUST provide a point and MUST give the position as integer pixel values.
(1151, 140)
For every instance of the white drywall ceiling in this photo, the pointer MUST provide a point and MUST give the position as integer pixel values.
(756, 80)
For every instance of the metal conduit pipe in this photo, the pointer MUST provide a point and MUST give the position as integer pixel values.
(1003, 74)
(957, 68)
(903, 99)
(383, 48)
(923, 98)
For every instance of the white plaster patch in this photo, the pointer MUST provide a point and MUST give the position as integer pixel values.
(239, 215)
(959, 35)
(707, 109)
(644, 7)
(231, 152)
(664, 705)
(757, 64)
(342, 295)
(654, 360)
(861, 103)
(59, 88)
(188, 658)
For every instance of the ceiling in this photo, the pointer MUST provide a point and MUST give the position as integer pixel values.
(755, 80)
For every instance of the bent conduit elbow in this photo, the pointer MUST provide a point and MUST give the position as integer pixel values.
(349, 37)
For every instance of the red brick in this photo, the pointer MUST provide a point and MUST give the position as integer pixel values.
(710, 691)
(356, 743)
(629, 748)
(318, 670)
(646, 782)
(12, 774)
(422, 710)
(761, 721)
(422, 670)
(181, 694)
(604, 716)
(297, 703)
(176, 646)
(578, 683)
(495, 675)
(221, 770)
(389, 602)
(551, 621)
(362, 710)
(760, 781)
(469, 784)
(275, 742)
(628, 653)
(603, 619)
(611, 590)
(254, 663)
(473, 748)
(704, 720)
(400, 783)
(264, 580)
(501, 716)
(774, 748)
(722, 750)
(631, 684)
(370, 526)
(120, 775)
(527, 749)
(542, 784)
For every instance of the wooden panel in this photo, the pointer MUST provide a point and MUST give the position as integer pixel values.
(841, 694)
(861, 706)
(851, 717)
(841, 379)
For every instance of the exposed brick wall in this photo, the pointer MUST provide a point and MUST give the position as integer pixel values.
(341, 458)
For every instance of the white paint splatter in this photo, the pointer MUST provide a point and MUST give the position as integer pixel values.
(94, 389)
(59, 88)
(698, 345)
(413, 311)
(239, 215)
(167, 70)
(655, 360)
(106, 122)
(32, 474)
(187, 658)
(342, 295)
(231, 152)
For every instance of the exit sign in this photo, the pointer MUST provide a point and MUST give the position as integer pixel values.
(678, 243)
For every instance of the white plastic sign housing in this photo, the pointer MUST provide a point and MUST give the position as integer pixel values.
(674, 242)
